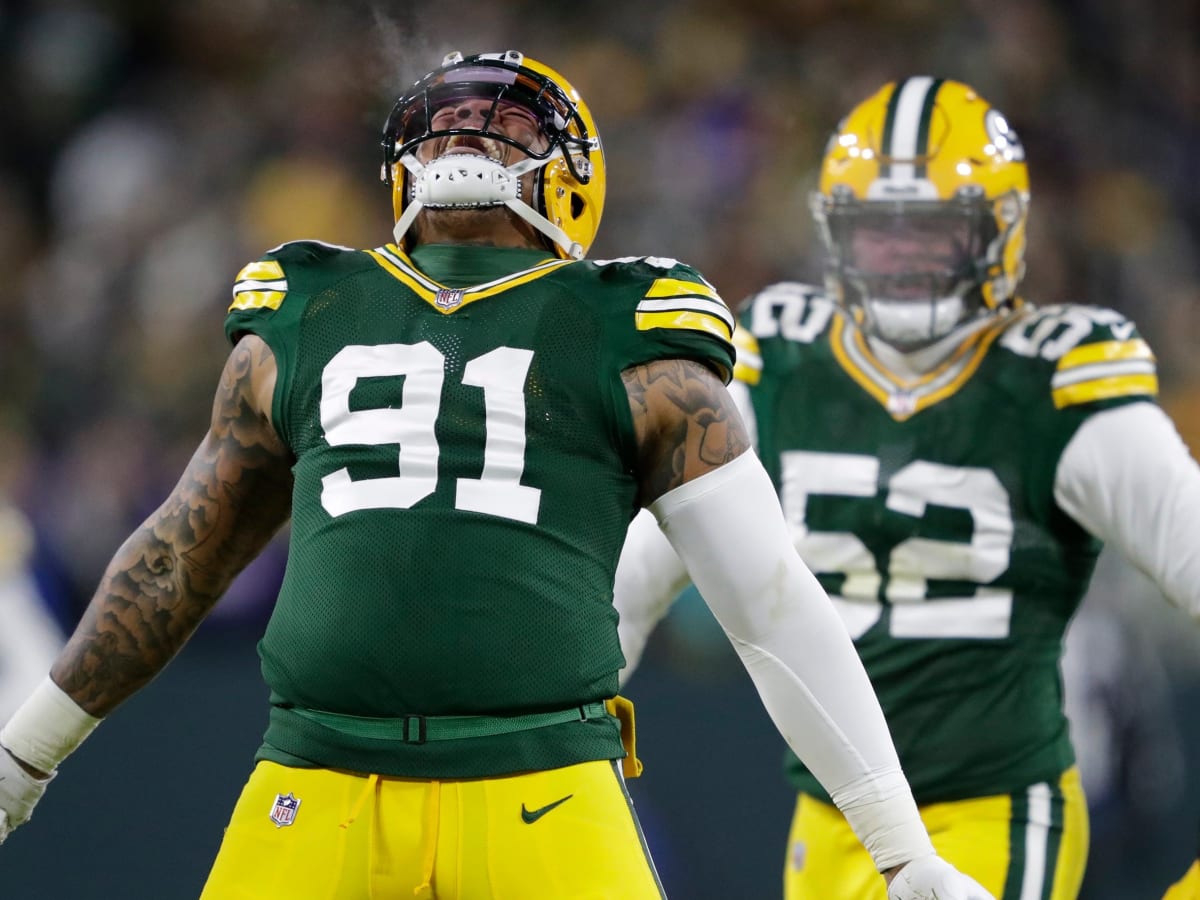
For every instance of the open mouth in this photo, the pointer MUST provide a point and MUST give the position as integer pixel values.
(477, 145)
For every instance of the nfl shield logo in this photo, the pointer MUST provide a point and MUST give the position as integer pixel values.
(448, 298)
(902, 404)
(284, 811)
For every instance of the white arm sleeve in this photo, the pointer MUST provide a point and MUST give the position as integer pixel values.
(729, 531)
(649, 576)
(1127, 477)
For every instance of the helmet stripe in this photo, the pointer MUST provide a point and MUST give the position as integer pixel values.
(923, 128)
(906, 129)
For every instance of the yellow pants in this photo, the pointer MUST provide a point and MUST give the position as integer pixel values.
(1188, 887)
(323, 835)
(1030, 845)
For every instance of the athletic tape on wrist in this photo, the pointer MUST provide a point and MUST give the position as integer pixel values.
(47, 727)
(881, 811)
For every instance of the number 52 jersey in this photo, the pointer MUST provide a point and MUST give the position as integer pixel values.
(925, 506)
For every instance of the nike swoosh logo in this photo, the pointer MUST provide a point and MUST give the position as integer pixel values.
(529, 816)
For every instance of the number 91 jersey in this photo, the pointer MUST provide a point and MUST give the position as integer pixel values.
(926, 508)
(464, 458)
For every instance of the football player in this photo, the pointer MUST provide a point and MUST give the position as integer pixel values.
(949, 458)
(460, 425)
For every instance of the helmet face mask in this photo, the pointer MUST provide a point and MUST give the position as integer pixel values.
(921, 210)
(563, 151)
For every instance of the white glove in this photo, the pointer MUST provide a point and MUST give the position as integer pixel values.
(932, 878)
(19, 793)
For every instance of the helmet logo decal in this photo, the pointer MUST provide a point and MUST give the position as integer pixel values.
(1002, 136)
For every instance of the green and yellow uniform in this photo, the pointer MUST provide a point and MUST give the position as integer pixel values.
(926, 508)
(464, 477)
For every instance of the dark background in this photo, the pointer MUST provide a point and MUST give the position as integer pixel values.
(148, 150)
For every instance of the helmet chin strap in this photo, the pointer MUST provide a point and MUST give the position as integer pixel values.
(467, 181)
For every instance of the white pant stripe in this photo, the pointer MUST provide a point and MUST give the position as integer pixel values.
(1037, 838)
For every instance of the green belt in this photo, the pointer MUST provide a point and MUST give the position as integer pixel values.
(421, 729)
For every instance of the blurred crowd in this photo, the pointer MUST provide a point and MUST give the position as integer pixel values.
(149, 150)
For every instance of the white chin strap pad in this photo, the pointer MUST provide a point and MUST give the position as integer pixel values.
(914, 321)
(463, 179)
(467, 181)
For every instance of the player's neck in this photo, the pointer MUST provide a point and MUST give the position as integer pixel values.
(489, 227)
(925, 359)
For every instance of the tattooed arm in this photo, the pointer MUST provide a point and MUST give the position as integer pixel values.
(685, 422)
(719, 512)
(233, 496)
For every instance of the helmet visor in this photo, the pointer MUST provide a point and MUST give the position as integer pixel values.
(485, 98)
(917, 252)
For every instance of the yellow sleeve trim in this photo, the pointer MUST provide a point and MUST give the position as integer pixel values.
(1106, 351)
(688, 320)
(748, 368)
(263, 270)
(746, 374)
(1105, 389)
(257, 300)
(744, 340)
(676, 287)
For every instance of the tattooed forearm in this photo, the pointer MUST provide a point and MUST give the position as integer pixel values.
(685, 422)
(166, 577)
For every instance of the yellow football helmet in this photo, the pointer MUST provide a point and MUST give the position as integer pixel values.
(568, 194)
(930, 160)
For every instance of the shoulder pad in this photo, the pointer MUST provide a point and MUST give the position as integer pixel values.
(644, 263)
(675, 295)
(789, 309)
(306, 251)
(1097, 352)
(259, 285)
(263, 283)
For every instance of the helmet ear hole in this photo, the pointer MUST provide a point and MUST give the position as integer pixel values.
(577, 205)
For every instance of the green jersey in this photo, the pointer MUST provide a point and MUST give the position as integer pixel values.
(926, 508)
(464, 477)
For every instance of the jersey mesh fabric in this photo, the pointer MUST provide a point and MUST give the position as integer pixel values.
(965, 481)
(428, 605)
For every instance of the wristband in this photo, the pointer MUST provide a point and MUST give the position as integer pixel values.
(46, 728)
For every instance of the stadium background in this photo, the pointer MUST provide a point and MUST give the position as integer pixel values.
(148, 150)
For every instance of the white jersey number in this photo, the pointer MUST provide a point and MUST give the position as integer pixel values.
(912, 562)
(500, 373)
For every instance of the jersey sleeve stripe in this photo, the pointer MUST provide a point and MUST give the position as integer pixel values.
(746, 371)
(693, 304)
(262, 270)
(1105, 351)
(1102, 370)
(749, 365)
(257, 300)
(275, 284)
(690, 320)
(744, 340)
(677, 287)
(1105, 389)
